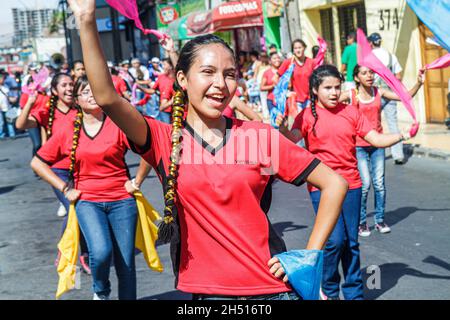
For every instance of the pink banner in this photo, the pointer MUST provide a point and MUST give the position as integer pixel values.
(442, 62)
(38, 80)
(318, 60)
(368, 59)
(129, 9)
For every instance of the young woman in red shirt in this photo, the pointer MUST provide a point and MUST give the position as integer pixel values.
(330, 129)
(99, 184)
(217, 192)
(367, 98)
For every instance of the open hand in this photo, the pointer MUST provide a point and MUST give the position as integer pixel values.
(167, 44)
(82, 8)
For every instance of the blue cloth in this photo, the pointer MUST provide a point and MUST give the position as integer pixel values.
(371, 169)
(343, 246)
(35, 136)
(110, 230)
(304, 271)
(428, 11)
(280, 92)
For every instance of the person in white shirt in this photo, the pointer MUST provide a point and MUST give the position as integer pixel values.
(389, 107)
(4, 107)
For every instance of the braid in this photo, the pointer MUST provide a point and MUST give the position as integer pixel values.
(51, 114)
(314, 112)
(167, 228)
(76, 136)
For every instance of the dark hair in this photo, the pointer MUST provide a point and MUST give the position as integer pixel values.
(355, 73)
(168, 228)
(168, 60)
(298, 41)
(274, 53)
(316, 79)
(81, 83)
(254, 53)
(75, 63)
(53, 102)
(315, 51)
(272, 46)
(351, 35)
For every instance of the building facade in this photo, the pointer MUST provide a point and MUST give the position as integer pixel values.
(29, 24)
(402, 34)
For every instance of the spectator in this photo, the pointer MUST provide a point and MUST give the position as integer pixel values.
(5, 105)
(154, 68)
(268, 82)
(388, 106)
(349, 61)
(77, 70)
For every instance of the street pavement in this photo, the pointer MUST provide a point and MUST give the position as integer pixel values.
(412, 262)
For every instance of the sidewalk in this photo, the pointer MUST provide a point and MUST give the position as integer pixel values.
(432, 140)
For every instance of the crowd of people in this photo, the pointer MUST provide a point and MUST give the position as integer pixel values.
(83, 120)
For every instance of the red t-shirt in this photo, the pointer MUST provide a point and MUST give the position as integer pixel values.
(223, 196)
(164, 84)
(300, 77)
(228, 112)
(119, 84)
(100, 169)
(371, 110)
(268, 75)
(335, 140)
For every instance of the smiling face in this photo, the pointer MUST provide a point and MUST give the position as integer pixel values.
(210, 81)
(275, 60)
(329, 92)
(85, 99)
(365, 77)
(64, 89)
(299, 50)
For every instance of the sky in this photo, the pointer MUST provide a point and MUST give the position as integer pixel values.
(6, 20)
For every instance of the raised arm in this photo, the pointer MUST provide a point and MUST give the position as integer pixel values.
(127, 118)
(168, 45)
(294, 135)
(24, 121)
(239, 105)
(388, 94)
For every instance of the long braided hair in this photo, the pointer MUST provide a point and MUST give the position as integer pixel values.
(316, 79)
(168, 228)
(80, 84)
(53, 102)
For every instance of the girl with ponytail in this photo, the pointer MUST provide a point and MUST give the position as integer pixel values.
(367, 98)
(99, 184)
(216, 190)
(330, 129)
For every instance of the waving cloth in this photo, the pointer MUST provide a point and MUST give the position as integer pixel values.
(435, 14)
(442, 62)
(318, 60)
(367, 59)
(146, 236)
(129, 9)
(280, 92)
(38, 80)
(304, 271)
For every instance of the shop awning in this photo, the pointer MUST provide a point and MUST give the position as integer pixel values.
(227, 16)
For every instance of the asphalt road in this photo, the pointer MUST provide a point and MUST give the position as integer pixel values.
(412, 262)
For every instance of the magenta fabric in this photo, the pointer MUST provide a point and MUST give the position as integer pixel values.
(38, 80)
(368, 59)
(129, 9)
(134, 99)
(442, 62)
(318, 60)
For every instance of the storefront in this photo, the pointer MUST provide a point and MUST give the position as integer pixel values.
(402, 34)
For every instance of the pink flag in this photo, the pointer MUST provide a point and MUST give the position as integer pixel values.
(442, 62)
(38, 80)
(129, 9)
(318, 60)
(368, 59)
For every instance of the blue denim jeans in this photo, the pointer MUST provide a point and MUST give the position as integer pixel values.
(110, 230)
(6, 127)
(276, 296)
(152, 107)
(270, 105)
(35, 136)
(343, 246)
(389, 108)
(371, 169)
(63, 174)
(164, 116)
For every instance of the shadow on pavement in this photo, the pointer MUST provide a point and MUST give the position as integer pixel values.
(390, 274)
(171, 295)
(437, 262)
(287, 226)
(7, 189)
(400, 214)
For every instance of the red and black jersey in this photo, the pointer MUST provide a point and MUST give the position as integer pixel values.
(100, 169)
(223, 197)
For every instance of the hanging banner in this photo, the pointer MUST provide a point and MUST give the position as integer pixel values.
(166, 14)
(274, 8)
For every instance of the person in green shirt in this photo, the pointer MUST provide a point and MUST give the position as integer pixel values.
(349, 60)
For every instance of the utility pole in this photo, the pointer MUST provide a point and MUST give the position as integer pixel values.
(63, 5)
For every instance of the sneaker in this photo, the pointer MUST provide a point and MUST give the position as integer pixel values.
(84, 261)
(363, 230)
(61, 210)
(382, 228)
(100, 297)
